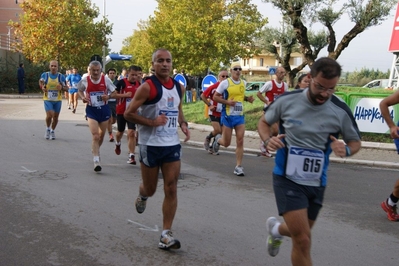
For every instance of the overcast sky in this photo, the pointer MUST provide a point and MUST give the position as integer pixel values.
(368, 50)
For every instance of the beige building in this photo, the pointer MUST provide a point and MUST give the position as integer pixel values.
(9, 10)
(261, 64)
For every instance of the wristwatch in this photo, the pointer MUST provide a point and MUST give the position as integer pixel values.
(267, 141)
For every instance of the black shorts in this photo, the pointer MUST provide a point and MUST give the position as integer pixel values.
(121, 123)
(214, 118)
(112, 106)
(291, 196)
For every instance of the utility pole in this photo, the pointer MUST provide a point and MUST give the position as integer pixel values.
(104, 45)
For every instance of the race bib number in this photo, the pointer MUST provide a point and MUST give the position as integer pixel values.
(96, 99)
(170, 128)
(128, 100)
(52, 95)
(219, 107)
(305, 165)
(236, 109)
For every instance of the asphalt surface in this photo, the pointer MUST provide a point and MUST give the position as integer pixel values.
(55, 210)
(372, 153)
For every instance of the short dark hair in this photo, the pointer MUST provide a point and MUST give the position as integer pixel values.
(328, 67)
(134, 68)
(21, 64)
(111, 69)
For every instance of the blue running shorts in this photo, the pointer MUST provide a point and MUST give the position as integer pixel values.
(100, 114)
(153, 156)
(52, 106)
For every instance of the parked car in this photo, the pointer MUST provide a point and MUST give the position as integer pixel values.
(254, 86)
(379, 83)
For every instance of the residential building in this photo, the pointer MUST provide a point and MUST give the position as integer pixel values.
(9, 10)
(260, 64)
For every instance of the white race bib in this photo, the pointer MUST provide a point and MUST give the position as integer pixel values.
(219, 107)
(305, 165)
(96, 99)
(128, 100)
(236, 109)
(52, 95)
(170, 128)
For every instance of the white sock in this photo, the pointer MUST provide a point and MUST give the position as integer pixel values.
(48, 128)
(165, 231)
(52, 131)
(130, 154)
(96, 158)
(275, 231)
(390, 202)
(118, 143)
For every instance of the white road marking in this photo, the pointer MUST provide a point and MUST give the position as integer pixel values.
(144, 227)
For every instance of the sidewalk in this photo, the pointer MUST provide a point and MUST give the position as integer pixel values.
(372, 153)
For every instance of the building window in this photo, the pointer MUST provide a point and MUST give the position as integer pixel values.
(261, 62)
(297, 61)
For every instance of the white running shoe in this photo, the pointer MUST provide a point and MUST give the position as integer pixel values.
(97, 166)
(167, 241)
(52, 134)
(216, 145)
(47, 134)
(273, 243)
(239, 170)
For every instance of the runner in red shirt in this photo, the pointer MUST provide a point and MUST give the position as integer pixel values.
(214, 110)
(126, 88)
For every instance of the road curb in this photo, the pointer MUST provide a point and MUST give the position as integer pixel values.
(365, 145)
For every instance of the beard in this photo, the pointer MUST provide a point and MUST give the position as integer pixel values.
(317, 99)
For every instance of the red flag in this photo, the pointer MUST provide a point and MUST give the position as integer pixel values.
(394, 45)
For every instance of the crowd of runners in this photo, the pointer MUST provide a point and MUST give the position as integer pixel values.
(302, 127)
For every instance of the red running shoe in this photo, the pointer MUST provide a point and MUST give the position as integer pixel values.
(390, 210)
(117, 149)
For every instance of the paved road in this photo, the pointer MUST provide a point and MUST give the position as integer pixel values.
(56, 211)
(371, 154)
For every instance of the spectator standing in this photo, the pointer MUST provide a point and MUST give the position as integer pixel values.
(21, 79)
(303, 82)
(189, 95)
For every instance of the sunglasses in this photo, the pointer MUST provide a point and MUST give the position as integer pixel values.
(237, 69)
(224, 76)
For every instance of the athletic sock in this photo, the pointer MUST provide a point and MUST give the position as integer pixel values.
(275, 231)
(392, 200)
(210, 136)
(96, 158)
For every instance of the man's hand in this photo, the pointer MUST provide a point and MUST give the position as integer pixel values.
(338, 147)
(394, 132)
(186, 131)
(161, 120)
(275, 143)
